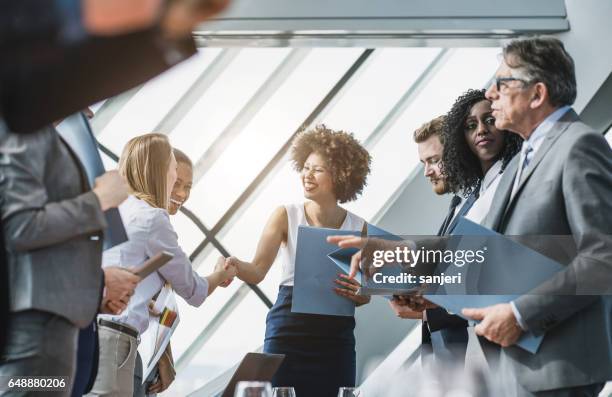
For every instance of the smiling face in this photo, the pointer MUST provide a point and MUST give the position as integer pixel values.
(481, 135)
(171, 175)
(182, 187)
(317, 178)
(430, 154)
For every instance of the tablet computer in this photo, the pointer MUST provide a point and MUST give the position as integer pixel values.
(254, 367)
(152, 264)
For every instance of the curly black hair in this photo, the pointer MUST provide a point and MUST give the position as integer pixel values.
(460, 165)
(348, 160)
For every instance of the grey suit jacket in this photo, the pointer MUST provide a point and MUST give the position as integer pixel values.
(53, 227)
(565, 191)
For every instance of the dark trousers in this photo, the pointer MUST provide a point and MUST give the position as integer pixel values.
(4, 292)
(87, 360)
(40, 344)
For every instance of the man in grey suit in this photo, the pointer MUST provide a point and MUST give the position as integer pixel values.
(53, 226)
(559, 185)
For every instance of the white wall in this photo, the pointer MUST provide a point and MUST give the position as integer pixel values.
(589, 41)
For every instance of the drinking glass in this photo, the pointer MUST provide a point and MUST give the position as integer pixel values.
(349, 392)
(253, 389)
(283, 392)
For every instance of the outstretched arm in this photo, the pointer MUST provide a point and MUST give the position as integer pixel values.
(274, 234)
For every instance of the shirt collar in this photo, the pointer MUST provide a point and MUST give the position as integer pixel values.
(538, 135)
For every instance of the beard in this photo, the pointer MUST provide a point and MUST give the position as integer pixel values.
(439, 187)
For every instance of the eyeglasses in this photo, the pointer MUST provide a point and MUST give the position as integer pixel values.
(500, 81)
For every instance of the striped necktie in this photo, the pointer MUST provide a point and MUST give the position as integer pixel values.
(527, 155)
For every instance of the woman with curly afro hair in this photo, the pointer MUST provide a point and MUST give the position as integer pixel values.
(319, 350)
(475, 152)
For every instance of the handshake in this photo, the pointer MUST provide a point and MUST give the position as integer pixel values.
(225, 271)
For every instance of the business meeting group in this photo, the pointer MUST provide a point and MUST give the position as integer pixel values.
(514, 158)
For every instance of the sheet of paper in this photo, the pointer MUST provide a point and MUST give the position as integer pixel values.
(155, 339)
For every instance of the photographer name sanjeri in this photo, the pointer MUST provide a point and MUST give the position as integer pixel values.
(406, 278)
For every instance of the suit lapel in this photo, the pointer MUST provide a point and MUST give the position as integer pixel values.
(502, 195)
(84, 179)
(556, 131)
(462, 211)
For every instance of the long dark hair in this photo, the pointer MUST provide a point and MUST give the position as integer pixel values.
(460, 165)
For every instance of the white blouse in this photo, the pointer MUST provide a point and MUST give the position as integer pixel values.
(149, 231)
(488, 186)
(296, 216)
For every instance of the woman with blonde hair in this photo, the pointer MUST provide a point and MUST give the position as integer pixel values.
(149, 167)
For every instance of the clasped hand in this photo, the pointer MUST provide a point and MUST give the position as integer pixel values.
(497, 323)
(228, 268)
(119, 286)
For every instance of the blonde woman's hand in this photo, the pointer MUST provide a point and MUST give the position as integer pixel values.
(226, 267)
(152, 311)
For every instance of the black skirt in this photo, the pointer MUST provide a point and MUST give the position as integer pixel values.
(319, 350)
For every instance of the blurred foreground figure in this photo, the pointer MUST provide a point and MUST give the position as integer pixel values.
(60, 62)
(66, 54)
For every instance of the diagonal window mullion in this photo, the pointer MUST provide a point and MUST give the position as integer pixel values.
(272, 164)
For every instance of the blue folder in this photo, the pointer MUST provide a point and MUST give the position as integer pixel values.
(75, 131)
(342, 258)
(511, 270)
(315, 272)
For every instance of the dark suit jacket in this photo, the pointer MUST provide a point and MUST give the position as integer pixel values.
(438, 318)
(52, 226)
(51, 74)
(4, 294)
(565, 191)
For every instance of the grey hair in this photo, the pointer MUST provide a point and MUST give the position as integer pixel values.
(544, 59)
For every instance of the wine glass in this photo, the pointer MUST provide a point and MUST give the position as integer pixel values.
(349, 392)
(253, 389)
(283, 392)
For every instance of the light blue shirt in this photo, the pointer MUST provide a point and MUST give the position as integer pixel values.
(150, 231)
(535, 141)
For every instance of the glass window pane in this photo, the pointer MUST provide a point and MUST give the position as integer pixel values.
(373, 92)
(189, 235)
(194, 319)
(242, 235)
(153, 101)
(241, 332)
(96, 106)
(270, 128)
(109, 163)
(224, 99)
(395, 155)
